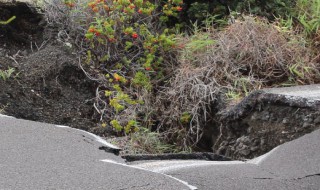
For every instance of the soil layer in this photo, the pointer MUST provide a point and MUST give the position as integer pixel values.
(263, 121)
(47, 84)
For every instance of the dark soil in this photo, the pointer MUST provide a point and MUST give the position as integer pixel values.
(47, 84)
(263, 121)
(27, 28)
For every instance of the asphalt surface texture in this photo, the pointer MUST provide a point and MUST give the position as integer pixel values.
(310, 92)
(43, 156)
(36, 155)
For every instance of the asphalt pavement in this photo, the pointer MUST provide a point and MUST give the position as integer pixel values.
(36, 155)
(310, 92)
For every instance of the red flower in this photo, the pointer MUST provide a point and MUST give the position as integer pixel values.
(140, 11)
(135, 35)
(179, 8)
(148, 68)
(117, 77)
(95, 9)
(92, 30)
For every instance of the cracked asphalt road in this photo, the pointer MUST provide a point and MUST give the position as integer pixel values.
(36, 155)
(294, 166)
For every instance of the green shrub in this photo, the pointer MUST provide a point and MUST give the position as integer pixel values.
(199, 10)
(125, 45)
(266, 8)
(147, 142)
(308, 14)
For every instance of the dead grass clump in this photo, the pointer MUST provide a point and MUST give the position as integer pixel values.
(248, 55)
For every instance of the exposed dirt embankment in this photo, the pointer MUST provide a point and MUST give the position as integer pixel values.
(47, 84)
(27, 27)
(263, 121)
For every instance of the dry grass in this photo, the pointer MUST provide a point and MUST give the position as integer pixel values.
(248, 55)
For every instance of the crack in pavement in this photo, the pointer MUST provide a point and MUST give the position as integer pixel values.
(110, 150)
(138, 186)
(311, 175)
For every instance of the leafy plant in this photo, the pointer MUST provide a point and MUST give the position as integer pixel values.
(267, 8)
(145, 141)
(142, 80)
(2, 108)
(8, 21)
(185, 118)
(6, 74)
(234, 96)
(308, 14)
(126, 45)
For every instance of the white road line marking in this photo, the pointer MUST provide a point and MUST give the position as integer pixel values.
(136, 167)
(172, 165)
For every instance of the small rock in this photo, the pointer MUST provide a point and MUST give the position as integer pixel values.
(2, 52)
(306, 125)
(246, 140)
(24, 52)
(240, 145)
(285, 121)
(245, 151)
(317, 120)
(254, 116)
(265, 116)
(305, 118)
(238, 140)
(254, 148)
